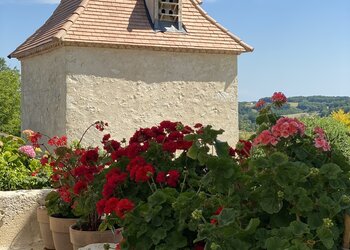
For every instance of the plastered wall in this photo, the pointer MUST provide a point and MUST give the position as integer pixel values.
(43, 93)
(134, 88)
(65, 90)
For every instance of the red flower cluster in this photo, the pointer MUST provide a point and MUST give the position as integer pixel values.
(320, 140)
(114, 205)
(89, 157)
(110, 145)
(278, 98)
(139, 170)
(171, 178)
(58, 141)
(242, 150)
(65, 194)
(260, 104)
(169, 134)
(33, 137)
(265, 138)
(113, 178)
(284, 128)
(217, 212)
(100, 125)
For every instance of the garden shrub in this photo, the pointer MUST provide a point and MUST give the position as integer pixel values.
(337, 132)
(342, 117)
(19, 170)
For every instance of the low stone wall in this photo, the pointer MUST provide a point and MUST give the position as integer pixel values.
(19, 229)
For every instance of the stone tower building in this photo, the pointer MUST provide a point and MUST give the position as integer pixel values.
(132, 63)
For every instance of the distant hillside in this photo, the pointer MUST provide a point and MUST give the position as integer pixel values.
(296, 106)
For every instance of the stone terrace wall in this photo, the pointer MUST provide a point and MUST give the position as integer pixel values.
(19, 229)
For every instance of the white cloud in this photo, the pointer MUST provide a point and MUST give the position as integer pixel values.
(29, 1)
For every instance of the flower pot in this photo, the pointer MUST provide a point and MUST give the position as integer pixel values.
(83, 238)
(346, 235)
(60, 232)
(44, 225)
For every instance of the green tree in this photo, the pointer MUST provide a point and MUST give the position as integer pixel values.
(9, 99)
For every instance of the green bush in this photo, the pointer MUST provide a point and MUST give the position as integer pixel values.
(18, 171)
(9, 99)
(337, 133)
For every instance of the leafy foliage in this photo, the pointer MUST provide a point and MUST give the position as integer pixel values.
(301, 189)
(338, 134)
(9, 99)
(342, 117)
(18, 171)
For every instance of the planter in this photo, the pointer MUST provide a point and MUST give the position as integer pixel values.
(346, 236)
(60, 232)
(44, 224)
(83, 238)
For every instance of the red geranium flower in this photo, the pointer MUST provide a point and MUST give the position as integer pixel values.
(79, 186)
(123, 206)
(173, 178)
(89, 157)
(100, 206)
(161, 177)
(111, 205)
(278, 98)
(260, 104)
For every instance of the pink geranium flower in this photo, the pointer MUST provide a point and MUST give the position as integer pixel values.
(286, 127)
(322, 143)
(28, 151)
(320, 140)
(278, 98)
(265, 138)
(260, 104)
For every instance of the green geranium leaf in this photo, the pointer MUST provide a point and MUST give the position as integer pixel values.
(305, 204)
(278, 159)
(275, 243)
(269, 202)
(157, 198)
(13, 158)
(227, 216)
(299, 228)
(158, 235)
(222, 148)
(330, 170)
(176, 240)
(193, 151)
(326, 236)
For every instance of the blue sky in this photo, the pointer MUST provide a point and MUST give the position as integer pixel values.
(302, 47)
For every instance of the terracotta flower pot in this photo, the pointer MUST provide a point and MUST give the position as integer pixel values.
(44, 224)
(60, 232)
(346, 235)
(83, 238)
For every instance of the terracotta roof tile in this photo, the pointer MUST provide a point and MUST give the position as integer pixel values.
(125, 22)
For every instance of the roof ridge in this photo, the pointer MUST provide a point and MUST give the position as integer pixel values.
(197, 3)
(70, 21)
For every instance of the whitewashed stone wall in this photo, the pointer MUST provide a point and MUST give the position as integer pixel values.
(43, 93)
(75, 86)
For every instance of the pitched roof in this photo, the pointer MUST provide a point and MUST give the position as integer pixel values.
(126, 24)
